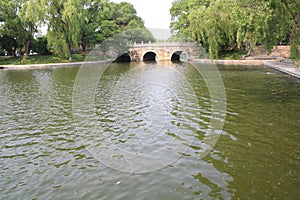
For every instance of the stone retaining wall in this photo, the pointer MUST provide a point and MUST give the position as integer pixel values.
(231, 62)
(277, 51)
(281, 51)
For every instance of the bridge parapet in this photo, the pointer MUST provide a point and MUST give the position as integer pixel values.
(166, 44)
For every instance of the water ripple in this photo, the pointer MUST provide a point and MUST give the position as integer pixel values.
(141, 109)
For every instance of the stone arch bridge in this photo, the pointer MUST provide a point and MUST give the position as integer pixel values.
(162, 52)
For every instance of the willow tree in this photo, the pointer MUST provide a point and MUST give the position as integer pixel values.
(31, 15)
(218, 23)
(253, 23)
(214, 25)
(293, 8)
(180, 14)
(65, 19)
(285, 24)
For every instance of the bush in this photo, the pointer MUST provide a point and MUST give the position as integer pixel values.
(2, 52)
(40, 46)
(295, 54)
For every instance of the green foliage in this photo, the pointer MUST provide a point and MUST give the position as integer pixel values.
(20, 20)
(71, 24)
(179, 17)
(232, 54)
(8, 44)
(179, 37)
(295, 54)
(219, 24)
(107, 29)
(116, 18)
(11, 25)
(91, 10)
(41, 59)
(74, 23)
(121, 14)
(65, 19)
(213, 26)
(40, 46)
(136, 32)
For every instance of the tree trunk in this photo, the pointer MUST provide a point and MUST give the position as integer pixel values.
(249, 51)
(294, 36)
(83, 41)
(68, 40)
(14, 51)
(27, 50)
(70, 52)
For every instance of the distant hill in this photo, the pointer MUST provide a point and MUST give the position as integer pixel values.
(160, 34)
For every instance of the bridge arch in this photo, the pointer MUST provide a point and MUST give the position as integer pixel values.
(179, 55)
(165, 51)
(125, 57)
(150, 56)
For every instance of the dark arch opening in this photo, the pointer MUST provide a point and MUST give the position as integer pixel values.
(176, 56)
(149, 56)
(123, 58)
(179, 56)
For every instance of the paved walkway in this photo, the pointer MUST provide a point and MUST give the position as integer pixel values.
(285, 66)
(231, 62)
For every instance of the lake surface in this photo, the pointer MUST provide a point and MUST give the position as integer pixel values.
(137, 131)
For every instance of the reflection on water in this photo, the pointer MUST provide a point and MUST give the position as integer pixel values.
(140, 109)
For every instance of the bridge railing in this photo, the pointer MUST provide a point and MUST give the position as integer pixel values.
(164, 44)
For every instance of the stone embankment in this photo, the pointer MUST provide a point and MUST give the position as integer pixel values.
(231, 62)
(284, 65)
(277, 59)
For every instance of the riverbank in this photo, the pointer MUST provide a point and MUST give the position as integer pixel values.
(284, 66)
(42, 59)
(287, 67)
(204, 61)
(231, 62)
(52, 65)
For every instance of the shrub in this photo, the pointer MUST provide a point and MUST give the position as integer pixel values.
(40, 46)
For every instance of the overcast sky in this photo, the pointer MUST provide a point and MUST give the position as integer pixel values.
(155, 13)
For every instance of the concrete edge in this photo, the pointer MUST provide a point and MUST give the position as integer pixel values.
(279, 66)
(231, 62)
(292, 71)
(51, 65)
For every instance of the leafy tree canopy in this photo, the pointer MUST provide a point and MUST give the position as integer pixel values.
(71, 24)
(19, 22)
(221, 24)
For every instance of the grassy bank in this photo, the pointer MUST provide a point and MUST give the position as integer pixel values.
(232, 55)
(40, 59)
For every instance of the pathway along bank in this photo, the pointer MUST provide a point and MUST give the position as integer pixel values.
(285, 66)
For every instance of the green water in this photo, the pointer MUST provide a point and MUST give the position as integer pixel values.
(47, 153)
